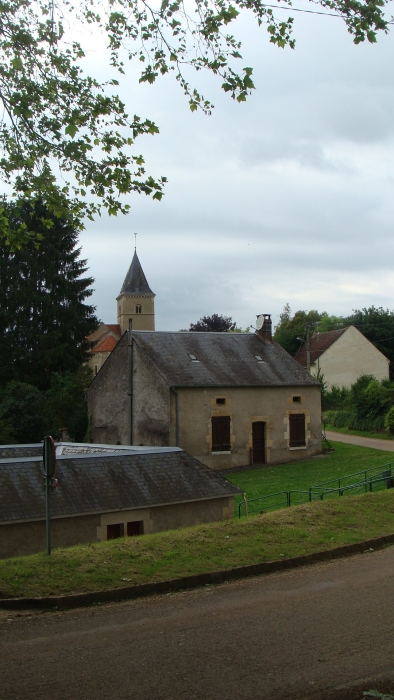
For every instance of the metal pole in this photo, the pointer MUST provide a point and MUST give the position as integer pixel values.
(48, 511)
(130, 381)
(308, 353)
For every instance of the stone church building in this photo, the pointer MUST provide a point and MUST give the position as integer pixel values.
(136, 302)
(228, 399)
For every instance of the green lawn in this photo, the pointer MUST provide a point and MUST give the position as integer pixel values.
(312, 527)
(346, 459)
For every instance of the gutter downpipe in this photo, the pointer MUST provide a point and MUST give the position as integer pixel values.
(174, 391)
(130, 382)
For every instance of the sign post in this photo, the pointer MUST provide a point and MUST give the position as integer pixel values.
(49, 458)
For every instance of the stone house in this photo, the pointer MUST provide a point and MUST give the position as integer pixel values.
(342, 356)
(105, 492)
(228, 399)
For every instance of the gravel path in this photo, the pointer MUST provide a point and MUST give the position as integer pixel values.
(377, 444)
(304, 633)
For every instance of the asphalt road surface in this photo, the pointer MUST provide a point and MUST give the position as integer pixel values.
(305, 633)
(376, 443)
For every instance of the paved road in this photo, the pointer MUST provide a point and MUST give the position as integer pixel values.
(289, 635)
(377, 444)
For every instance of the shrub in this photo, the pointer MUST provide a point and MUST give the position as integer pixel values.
(389, 420)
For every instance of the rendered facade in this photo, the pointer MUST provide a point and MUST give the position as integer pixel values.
(344, 355)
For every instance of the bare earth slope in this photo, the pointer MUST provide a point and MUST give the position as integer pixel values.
(296, 634)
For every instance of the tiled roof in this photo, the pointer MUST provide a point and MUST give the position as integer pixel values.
(106, 345)
(115, 328)
(135, 280)
(319, 343)
(102, 483)
(224, 359)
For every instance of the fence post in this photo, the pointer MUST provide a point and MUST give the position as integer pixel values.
(245, 504)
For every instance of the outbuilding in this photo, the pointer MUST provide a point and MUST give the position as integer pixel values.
(105, 492)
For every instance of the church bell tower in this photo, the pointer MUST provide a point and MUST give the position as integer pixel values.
(136, 300)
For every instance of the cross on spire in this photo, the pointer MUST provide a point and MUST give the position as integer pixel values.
(135, 242)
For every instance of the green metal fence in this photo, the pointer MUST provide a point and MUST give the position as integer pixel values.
(374, 480)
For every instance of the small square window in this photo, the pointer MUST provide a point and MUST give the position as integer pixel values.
(114, 531)
(221, 401)
(136, 527)
(296, 399)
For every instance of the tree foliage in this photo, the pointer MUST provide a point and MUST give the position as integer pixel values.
(214, 324)
(22, 413)
(58, 120)
(366, 406)
(44, 320)
(290, 328)
(66, 405)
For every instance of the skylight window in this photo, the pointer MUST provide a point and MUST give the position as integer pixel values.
(260, 360)
(193, 358)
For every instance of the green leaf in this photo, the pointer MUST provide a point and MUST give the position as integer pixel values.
(71, 129)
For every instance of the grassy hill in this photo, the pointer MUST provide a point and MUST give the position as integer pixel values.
(132, 560)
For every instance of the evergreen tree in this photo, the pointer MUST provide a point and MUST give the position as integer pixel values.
(44, 321)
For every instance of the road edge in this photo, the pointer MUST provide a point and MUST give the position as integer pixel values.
(211, 578)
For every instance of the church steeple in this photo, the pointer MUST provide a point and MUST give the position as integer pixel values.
(135, 280)
(136, 300)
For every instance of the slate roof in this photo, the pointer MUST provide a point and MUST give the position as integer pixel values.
(224, 359)
(9, 451)
(135, 280)
(105, 483)
(319, 343)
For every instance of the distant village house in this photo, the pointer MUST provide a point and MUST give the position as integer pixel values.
(342, 356)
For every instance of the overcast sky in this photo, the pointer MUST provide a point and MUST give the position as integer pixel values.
(285, 198)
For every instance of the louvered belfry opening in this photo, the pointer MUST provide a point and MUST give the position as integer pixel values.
(221, 434)
(297, 430)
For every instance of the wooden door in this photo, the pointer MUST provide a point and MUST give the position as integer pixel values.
(258, 432)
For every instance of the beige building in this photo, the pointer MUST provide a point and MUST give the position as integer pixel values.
(342, 356)
(105, 492)
(228, 399)
(135, 303)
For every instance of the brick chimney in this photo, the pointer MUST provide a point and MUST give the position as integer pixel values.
(264, 327)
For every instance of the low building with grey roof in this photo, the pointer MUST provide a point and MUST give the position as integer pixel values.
(103, 492)
(228, 399)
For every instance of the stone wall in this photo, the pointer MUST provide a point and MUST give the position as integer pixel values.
(151, 403)
(108, 400)
(19, 539)
(271, 405)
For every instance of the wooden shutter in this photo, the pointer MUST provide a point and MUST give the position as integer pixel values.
(297, 429)
(221, 434)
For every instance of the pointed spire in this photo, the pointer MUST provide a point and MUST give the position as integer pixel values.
(135, 280)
